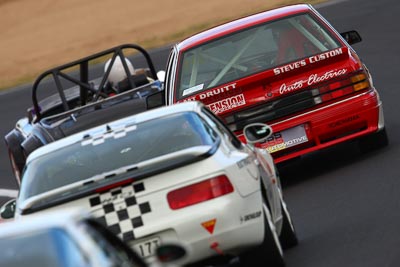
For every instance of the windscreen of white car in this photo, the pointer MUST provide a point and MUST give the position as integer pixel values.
(114, 150)
(251, 51)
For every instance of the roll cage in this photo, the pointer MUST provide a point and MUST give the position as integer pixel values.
(84, 89)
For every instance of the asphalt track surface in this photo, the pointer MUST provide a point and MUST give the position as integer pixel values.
(345, 204)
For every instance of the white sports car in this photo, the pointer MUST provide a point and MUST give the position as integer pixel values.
(173, 174)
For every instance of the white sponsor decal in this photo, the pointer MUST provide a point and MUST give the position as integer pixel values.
(310, 60)
(312, 79)
(328, 75)
(192, 98)
(217, 91)
(211, 93)
(193, 89)
(289, 67)
(287, 138)
(326, 55)
(290, 143)
(227, 104)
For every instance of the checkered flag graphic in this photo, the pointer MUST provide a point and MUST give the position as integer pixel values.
(100, 138)
(119, 210)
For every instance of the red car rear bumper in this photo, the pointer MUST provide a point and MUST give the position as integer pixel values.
(336, 123)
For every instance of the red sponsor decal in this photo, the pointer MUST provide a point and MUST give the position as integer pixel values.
(209, 225)
(227, 104)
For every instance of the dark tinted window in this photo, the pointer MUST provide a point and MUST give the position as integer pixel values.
(246, 52)
(105, 153)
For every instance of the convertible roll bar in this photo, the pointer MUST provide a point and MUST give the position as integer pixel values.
(83, 76)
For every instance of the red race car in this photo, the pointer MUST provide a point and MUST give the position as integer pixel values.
(287, 67)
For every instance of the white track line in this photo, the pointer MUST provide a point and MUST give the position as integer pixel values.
(8, 193)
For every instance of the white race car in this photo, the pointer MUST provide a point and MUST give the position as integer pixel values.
(173, 174)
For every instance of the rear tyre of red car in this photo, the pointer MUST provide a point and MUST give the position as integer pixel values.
(288, 236)
(270, 252)
(373, 141)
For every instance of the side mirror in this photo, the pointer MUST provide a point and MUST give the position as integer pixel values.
(7, 211)
(257, 132)
(155, 100)
(170, 252)
(161, 76)
(351, 37)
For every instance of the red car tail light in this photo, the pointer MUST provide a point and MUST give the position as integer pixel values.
(199, 192)
(360, 82)
(341, 88)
